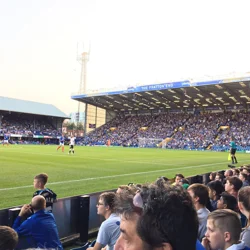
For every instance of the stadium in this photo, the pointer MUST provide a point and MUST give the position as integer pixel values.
(148, 131)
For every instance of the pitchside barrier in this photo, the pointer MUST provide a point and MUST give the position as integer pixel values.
(76, 216)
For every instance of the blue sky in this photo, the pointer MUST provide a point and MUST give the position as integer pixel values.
(132, 41)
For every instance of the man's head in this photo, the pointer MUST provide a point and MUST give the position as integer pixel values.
(246, 170)
(8, 238)
(199, 194)
(161, 181)
(38, 203)
(219, 177)
(243, 177)
(227, 201)
(244, 202)
(228, 173)
(212, 176)
(233, 184)
(122, 188)
(106, 203)
(178, 177)
(157, 217)
(223, 229)
(215, 189)
(40, 181)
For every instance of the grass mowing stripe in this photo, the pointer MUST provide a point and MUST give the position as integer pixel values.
(114, 176)
(154, 162)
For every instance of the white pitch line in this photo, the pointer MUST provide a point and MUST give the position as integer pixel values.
(114, 160)
(114, 176)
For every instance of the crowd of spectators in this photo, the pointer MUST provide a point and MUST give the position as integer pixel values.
(199, 131)
(176, 213)
(27, 126)
(185, 130)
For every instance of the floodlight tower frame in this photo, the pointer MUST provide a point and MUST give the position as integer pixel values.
(83, 59)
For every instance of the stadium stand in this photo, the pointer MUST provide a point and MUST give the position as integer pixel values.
(195, 114)
(29, 122)
(192, 115)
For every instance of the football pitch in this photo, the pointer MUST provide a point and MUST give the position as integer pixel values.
(93, 169)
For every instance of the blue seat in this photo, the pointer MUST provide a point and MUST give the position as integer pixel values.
(82, 247)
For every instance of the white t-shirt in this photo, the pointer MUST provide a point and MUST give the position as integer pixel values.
(109, 232)
(72, 141)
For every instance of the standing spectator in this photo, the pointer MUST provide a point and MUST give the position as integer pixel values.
(40, 229)
(109, 231)
(8, 238)
(200, 197)
(39, 183)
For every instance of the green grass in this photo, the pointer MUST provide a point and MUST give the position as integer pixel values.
(94, 169)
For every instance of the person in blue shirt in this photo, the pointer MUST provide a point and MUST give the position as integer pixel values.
(233, 148)
(6, 138)
(39, 230)
(61, 143)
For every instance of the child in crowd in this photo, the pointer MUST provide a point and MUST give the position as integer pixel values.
(39, 184)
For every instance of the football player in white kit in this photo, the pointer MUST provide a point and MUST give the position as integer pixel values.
(72, 144)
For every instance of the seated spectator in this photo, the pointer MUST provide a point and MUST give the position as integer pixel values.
(40, 229)
(215, 189)
(8, 238)
(227, 201)
(178, 177)
(228, 173)
(109, 230)
(244, 206)
(223, 231)
(142, 224)
(212, 176)
(219, 177)
(161, 181)
(236, 172)
(122, 188)
(184, 183)
(233, 185)
(243, 177)
(199, 194)
(50, 197)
